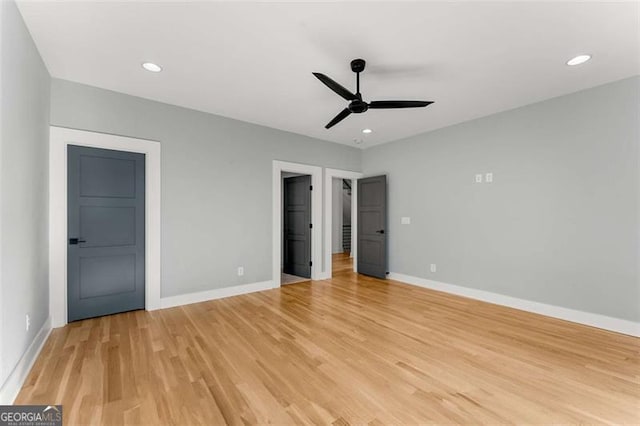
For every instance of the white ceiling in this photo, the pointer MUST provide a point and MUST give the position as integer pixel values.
(253, 61)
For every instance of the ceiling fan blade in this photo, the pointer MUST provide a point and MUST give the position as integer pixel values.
(398, 104)
(338, 118)
(336, 87)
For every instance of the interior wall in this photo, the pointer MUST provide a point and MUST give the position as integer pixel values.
(216, 180)
(336, 215)
(558, 225)
(24, 136)
(346, 211)
(346, 205)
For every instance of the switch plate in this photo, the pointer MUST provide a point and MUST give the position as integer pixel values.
(478, 178)
(28, 322)
(488, 177)
(433, 267)
(405, 221)
(240, 271)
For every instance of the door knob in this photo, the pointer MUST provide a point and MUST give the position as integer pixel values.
(380, 231)
(74, 241)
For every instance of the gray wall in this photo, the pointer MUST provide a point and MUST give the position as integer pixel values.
(336, 215)
(558, 225)
(346, 211)
(341, 214)
(216, 180)
(346, 206)
(24, 161)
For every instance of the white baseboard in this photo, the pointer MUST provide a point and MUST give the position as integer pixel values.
(594, 320)
(218, 293)
(11, 387)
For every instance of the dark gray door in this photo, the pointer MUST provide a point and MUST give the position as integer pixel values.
(106, 232)
(372, 226)
(297, 226)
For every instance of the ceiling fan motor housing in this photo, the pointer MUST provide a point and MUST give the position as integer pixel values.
(358, 107)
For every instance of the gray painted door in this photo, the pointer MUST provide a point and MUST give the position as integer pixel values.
(297, 226)
(372, 226)
(106, 250)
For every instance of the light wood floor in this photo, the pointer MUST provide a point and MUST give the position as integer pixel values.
(286, 279)
(348, 350)
(341, 262)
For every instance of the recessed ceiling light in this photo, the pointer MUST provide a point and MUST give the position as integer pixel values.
(580, 59)
(367, 130)
(150, 66)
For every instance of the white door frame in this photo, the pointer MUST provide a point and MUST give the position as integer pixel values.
(59, 139)
(316, 216)
(329, 174)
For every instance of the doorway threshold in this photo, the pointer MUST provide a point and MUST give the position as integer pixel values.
(292, 279)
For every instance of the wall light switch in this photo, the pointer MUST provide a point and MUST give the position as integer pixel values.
(488, 177)
(433, 267)
(240, 271)
(479, 178)
(405, 221)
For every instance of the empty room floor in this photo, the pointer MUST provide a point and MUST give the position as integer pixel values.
(347, 350)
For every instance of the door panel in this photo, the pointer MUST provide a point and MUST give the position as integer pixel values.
(372, 251)
(107, 177)
(106, 210)
(107, 275)
(108, 226)
(371, 194)
(372, 226)
(371, 221)
(297, 229)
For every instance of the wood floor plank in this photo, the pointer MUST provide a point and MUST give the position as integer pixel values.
(350, 350)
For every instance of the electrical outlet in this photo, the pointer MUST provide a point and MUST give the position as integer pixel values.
(478, 178)
(240, 271)
(433, 267)
(405, 221)
(488, 177)
(28, 322)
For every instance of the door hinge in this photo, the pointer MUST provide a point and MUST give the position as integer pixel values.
(311, 225)
(310, 263)
(311, 188)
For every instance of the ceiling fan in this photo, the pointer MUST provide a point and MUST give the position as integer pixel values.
(356, 104)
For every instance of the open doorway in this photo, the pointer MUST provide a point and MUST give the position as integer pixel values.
(341, 226)
(341, 238)
(296, 228)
